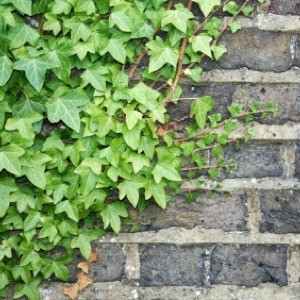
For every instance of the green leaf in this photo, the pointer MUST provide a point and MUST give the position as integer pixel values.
(144, 94)
(69, 208)
(32, 220)
(132, 117)
(235, 26)
(218, 51)
(5, 69)
(130, 189)
(165, 170)
(23, 6)
(116, 49)
(157, 192)
(201, 43)
(138, 161)
(95, 78)
(35, 69)
(56, 268)
(200, 107)
(86, 6)
(83, 243)
(207, 6)
(111, 215)
(79, 30)
(23, 201)
(178, 17)
(4, 201)
(161, 54)
(119, 18)
(29, 290)
(9, 159)
(48, 230)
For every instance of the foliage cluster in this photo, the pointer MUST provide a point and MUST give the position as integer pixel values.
(84, 134)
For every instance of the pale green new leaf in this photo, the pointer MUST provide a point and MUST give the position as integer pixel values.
(201, 43)
(165, 170)
(23, 6)
(218, 51)
(119, 18)
(207, 6)
(9, 159)
(157, 192)
(200, 107)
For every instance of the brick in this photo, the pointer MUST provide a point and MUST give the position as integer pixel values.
(256, 50)
(165, 265)
(225, 212)
(285, 7)
(256, 160)
(280, 211)
(109, 267)
(225, 94)
(248, 265)
(297, 161)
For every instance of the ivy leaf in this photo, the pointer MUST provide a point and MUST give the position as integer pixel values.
(201, 43)
(207, 6)
(48, 230)
(23, 6)
(116, 49)
(5, 69)
(111, 215)
(35, 69)
(161, 54)
(143, 94)
(157, 192)
(23, 200)
(95, 77)
(9, 159)
(69, 208)
(200, 107)
(130, 189)
(4, 201)
(29, 290)
(119, 18)
(178, 17)
(218, 51)
(165, 170)
(132, 137)
(235, 26)
(79, 30)
(31, 221)
(61, 7)
(59, 269)
(65, 108)
(83, 243)
(86, 6)
(132, 117)
(22, 34)
(138, 161)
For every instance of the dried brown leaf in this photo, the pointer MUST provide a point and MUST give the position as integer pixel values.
(71, 291)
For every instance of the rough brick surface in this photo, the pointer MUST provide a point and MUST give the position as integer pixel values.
(224, 94)
(163, 265)
(297, 161)
(280, 211)
(266, 51)
(110, 266)
(226, 212)
(248, 265)
(256, 160)
(285, 7)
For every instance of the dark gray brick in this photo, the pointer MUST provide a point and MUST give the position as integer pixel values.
(226, 212)
(285, 7)
(248, 265)
(110, 266)
(280, 211)
(297, 161)
(256, 160)
(165, 265)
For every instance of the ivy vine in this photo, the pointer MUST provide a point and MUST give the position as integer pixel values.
(85, 133)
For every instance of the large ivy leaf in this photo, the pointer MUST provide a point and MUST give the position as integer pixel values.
(5, 69)
(56, 268)
(116, 48)
(79, 30)
(130, 189)
(23, 6)
(65, 108)
(157, 192)
(35, 69)
(201, 43)
(207, 6)
(83, 243)
(119, 18)
(9, 159)
(165, 170)
(178, 17)
(161, 54)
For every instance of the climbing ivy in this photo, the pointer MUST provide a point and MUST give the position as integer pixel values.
(85, 133)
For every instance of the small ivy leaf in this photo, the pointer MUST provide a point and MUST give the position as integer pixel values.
(56, 268)
(79, 30)
(165, 170)
(178, 17)
(132, 117)
(231, 7)
(5, 69)
(61, 7)
(48, 230)
(201, 43)
(207, 6)
(69, 208)
(52, 24)
(111, 215)
(143, 94)
(200, 107)
(235, 26)
(161, 54)
(23, 200)
(218, 51)
(32, 220)
(157, 192)
(23, 6)
(116, 49)
(86, 6)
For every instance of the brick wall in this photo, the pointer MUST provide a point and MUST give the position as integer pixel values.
(244, 245)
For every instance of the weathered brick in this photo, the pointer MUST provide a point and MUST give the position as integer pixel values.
(225, 94)
(165, 265)
(285, 7)
(255, 49)
(280, 211)
(248, 265)
(109, 267)
(297, 161)
(226, 212)
(256, 160)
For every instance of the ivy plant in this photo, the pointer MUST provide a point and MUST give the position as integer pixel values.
(86, 132)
